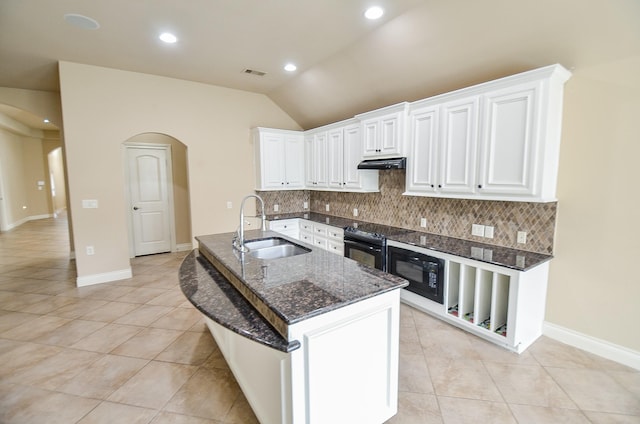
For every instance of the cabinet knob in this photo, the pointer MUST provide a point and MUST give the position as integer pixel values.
(287, 182)
(282, 183)
(439, 185)
(432, 186)
(479, 185)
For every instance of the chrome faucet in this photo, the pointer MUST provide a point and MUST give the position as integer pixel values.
(238, 242)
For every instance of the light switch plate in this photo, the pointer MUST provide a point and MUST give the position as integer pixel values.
(90, 204)
(477, 230)
(276, 208)
(305, 205)
(229, 205)
(326, 207)
(355, 211)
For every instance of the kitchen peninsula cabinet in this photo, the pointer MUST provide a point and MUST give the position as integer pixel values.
(279, 159)
(495, 141)
(311, 338)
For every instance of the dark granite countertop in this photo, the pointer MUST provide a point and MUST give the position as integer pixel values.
(519, 260)
(288, 290)
(217, 299)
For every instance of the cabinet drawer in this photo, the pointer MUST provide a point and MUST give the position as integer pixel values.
(320, 242)
(285, 225)
(335, 233)
(319, 230)
(306, 226)
(306, 237)
(335, 247)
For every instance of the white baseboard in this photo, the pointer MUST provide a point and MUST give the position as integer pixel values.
(593, 345)
(106, 277)
(11, 226)
(184, 247)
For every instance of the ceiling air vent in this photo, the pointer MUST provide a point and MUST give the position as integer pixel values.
(254, 72)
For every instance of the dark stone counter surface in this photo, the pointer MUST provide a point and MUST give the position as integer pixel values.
(217, 299)
(519, 260)
(288, 290)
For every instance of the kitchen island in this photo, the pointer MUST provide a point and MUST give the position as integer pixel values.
(311, 338)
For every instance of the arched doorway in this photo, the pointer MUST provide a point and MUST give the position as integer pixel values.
(158, 201)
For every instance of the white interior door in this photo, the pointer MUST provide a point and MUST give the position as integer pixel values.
(149, 197)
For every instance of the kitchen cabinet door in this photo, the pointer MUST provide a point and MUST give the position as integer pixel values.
(422, 161)
(459, 135)
(383, 131)
(294, 161)
(352, 157)
(510, 140)
(335, 154)
(275, 148)
(316, 160)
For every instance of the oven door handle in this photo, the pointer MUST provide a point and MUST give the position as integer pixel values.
(363, 246)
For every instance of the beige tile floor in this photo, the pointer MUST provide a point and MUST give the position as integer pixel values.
(135, 351)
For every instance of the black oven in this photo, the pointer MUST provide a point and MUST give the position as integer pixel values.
(367, 248)
(424, 273)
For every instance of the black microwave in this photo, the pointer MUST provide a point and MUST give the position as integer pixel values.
(424, 273)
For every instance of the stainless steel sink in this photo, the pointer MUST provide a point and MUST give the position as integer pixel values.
(268, 242)
(274, 248)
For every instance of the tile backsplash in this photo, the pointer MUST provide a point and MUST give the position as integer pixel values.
(448, 217)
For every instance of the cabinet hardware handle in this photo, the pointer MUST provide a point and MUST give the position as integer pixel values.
(135, 208)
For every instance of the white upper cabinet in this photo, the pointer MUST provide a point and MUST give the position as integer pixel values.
(279, 159)
(335, 154)
(383, 131)
(458, 139)
(496, 141)
(422, 159)
(332, 157)
(316, 160)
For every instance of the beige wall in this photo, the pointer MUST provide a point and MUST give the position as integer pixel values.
(594, 283)
(12, 179)
(103, 107)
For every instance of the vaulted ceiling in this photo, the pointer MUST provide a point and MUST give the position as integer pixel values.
(346, 64)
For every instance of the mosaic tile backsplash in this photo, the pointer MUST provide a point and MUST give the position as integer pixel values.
(448, 217)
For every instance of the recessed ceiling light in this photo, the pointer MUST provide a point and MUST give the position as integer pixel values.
(290, 67)
(81, 21)
(167, 37)
(374, 12)
(46, 121)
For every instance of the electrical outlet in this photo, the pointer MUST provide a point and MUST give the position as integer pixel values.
(305, 205)
(522, 237)
(276, 208)
(423, 222)
(229, 205)
(477, 230)
(90, 250)
(326, 207)
(423, 240)
(488, 231)
(355, 211)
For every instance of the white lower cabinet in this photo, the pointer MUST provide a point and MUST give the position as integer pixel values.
(499, 304)
(323, 236)
(356, 345)
(288, 227)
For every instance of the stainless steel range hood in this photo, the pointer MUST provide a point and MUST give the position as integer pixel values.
(393, 163)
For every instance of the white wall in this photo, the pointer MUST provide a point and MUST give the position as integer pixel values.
(104, 107)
